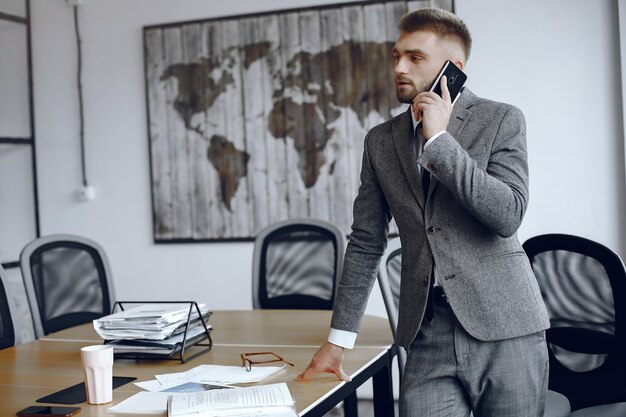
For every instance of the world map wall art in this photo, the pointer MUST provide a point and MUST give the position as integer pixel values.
(261, 118)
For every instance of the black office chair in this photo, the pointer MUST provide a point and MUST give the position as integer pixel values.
(296, 265)
(7, 333)
(67, 281)
(557, 405)
(583, 284)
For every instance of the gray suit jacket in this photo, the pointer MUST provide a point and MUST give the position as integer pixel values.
(477, 198)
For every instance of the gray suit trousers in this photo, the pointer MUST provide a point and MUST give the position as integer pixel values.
(450, 373)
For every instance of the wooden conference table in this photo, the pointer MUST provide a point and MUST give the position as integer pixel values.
(39, 368)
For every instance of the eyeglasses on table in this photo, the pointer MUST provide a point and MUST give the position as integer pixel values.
(257, 358)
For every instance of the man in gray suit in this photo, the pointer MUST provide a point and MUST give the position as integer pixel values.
(456, 181)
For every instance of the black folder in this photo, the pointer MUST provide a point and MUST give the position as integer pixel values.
(77, 394)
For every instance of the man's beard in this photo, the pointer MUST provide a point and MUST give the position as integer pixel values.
(408, 96)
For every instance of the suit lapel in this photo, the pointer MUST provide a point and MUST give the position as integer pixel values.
(402, 138)
(461, 112)
(458, 118)
(401, 132)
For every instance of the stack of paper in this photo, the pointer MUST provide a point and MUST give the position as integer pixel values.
(208, 377)
(153, 328)
(263, 400)
(259, 401)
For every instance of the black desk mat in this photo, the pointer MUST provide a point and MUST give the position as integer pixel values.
(76, 393)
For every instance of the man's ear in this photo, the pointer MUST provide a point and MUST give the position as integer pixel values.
(459, 64)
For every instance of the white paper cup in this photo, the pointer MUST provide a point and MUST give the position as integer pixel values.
(98, 365)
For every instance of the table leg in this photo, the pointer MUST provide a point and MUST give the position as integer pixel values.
(350, 406)
(383, 391)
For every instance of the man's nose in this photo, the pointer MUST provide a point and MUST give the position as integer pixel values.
(400, 67)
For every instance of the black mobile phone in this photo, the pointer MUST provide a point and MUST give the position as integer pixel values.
(42, 410)
(456, 80)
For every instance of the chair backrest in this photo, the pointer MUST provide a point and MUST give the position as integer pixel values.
(297, 264)
(389, 282)
(67, 280)
(583, 284)
(7, 333)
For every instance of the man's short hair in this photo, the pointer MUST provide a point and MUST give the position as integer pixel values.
(442, 22)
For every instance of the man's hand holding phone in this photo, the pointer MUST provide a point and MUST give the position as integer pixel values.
(434, 110)
(434, 107)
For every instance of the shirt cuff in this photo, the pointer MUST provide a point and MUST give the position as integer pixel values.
(342, 338)
(435, 136)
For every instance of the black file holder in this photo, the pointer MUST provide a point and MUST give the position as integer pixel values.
(178, 354)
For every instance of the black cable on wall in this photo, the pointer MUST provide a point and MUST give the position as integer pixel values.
(80, 97)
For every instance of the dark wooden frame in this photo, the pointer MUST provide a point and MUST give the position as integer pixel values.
(334, 199)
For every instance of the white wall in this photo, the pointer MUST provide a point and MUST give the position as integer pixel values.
(556, 60)
(621, 5)
(559, 62)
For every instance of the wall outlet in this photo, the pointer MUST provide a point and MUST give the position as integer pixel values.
(73, 3)
(87, 193)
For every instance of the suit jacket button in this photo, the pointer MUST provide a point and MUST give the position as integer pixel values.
(430, 230)
(425, 282)
(432, 167)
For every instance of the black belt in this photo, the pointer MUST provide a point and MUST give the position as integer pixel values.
(439, 296)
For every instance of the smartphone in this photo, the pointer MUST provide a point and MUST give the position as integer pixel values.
(456, 80)
(40, 410)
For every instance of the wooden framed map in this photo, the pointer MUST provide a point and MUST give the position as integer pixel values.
(260, 118)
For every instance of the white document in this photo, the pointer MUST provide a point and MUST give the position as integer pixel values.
(154, 313)
(165, 346)
(143, 403)
(281, 411)
(261, 400)
(206, 374)
(154, 386)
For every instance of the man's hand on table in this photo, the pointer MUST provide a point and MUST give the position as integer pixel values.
(328, 359)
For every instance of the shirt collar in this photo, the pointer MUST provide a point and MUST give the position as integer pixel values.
(415, 122)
